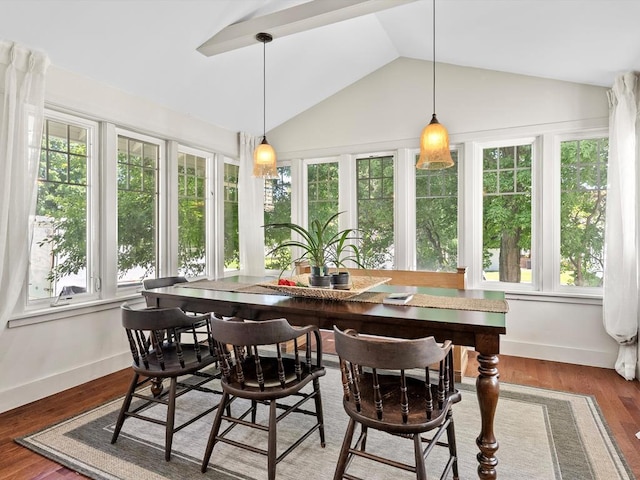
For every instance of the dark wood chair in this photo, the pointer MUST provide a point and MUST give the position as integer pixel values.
(159, 282)
(254, 368)
(381, 392)
(164, 345)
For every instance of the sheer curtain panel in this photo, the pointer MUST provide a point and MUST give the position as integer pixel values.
(250, 210)
(620, 302)
(22, 79)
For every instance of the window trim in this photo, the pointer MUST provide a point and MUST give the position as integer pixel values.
(25, 305)
(554, 268)
(174, 150)
(161, 207)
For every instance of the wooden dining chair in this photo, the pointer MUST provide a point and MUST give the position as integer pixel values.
(389, 386)
(149, 283)
(164, 344)
(254, 368)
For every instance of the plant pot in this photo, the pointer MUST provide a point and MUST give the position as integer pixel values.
(319, 281)
(340, 281)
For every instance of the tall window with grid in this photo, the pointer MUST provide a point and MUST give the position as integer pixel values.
(375, 210)
(137, 209)
(323, 192)
(437, 218)
(277, 209)
(506, 231)
(583, 177)
(60, 252)
(231, 225)
(192, 221)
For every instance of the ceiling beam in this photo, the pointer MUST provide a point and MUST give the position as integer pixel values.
(292, 20)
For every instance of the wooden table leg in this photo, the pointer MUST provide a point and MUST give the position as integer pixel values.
(488, 390)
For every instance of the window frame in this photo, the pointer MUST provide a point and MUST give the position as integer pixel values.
(552, 266)
(474, 209)
(161, 209)
(94, 190)
(209, 198)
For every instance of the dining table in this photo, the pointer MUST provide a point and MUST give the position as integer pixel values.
(468, 317)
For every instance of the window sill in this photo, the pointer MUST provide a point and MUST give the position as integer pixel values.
(48, 314)
(580, 299)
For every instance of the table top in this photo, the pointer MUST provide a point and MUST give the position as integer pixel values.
(463, 327)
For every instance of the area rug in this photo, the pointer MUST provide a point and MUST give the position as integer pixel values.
(543, 434)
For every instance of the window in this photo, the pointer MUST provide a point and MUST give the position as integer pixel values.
(60, 261)
(192, 214)
(322, 191)
(375, 210)
(138, 163)
(583, 193)
(506, 213)
(277, 209)
(231, 226)
(437, 218)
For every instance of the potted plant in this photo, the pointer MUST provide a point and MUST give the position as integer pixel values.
(320, 247)
(342, 251)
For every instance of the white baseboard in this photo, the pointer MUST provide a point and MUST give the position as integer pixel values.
(30, 392)
(555, 353)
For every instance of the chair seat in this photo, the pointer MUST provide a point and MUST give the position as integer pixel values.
(392, 419)
(272, 387)
(172, 364)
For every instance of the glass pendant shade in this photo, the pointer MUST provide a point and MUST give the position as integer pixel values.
(264, 160)
(434, 147)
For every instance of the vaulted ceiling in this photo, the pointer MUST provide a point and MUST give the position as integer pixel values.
(149, 48)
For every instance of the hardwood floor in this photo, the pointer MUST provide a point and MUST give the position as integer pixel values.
(618, 399)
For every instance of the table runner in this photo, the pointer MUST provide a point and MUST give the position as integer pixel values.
(418, 300)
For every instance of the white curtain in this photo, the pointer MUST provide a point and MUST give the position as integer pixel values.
(22, 78)
(250, 209)
(620, 303)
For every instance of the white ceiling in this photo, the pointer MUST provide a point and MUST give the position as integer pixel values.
(148, 48)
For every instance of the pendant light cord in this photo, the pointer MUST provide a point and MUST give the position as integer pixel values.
(264, 90)
(434, 57)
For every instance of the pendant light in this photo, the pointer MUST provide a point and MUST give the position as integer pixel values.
(434, 141)
(264, 156)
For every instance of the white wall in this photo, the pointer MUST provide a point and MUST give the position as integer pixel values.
(79, 345)
(394, 103)
(390, 107)
(69, 90)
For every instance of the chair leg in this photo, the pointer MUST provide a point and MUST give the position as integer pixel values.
(272, 444)
(254, 410)
(365, 431)
(171, 415)
(421, 472)
(344, 451)
(453, 450)
(319, 414)
(125, 407)
(215, 428)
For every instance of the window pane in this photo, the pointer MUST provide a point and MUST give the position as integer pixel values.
(231, 229)
(583, 199)
(59, 250)
(137, 218)
(507, 214)
(277, 209)
(437, 218)
(192, 224)
(375, 210)
(322, 187)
